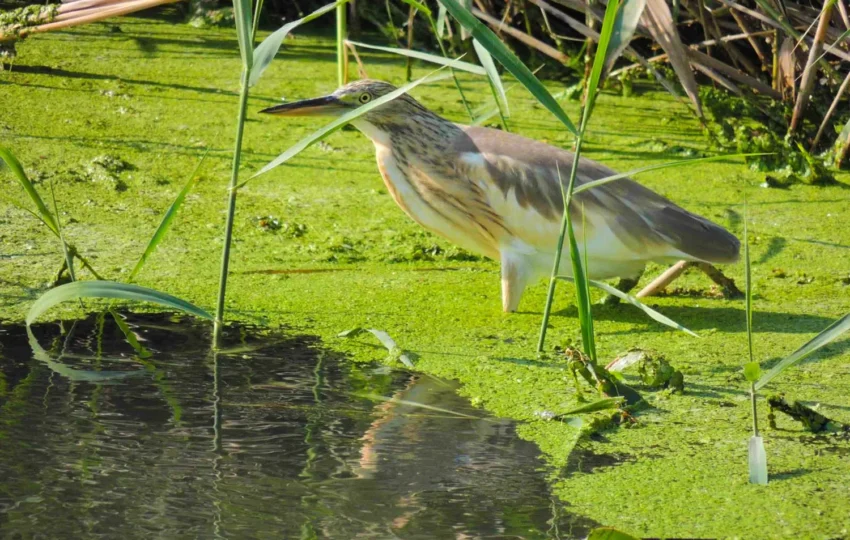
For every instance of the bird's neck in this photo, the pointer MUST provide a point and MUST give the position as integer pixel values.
(420, 134)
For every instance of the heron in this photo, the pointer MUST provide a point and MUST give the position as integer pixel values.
(500, 195)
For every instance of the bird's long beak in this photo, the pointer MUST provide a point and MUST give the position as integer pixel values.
(321, 106)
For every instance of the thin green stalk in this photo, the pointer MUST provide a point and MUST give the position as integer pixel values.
(502, 119)
(559, 248)
(69, 259)
(231, 203)
(755, 413)
(256, 24)
(341, 32)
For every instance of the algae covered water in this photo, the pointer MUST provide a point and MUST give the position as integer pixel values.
(272, 437)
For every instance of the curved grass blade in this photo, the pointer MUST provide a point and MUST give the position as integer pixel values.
(385, 339)
(654, 315)
(320, 134)
(679, 163)
(110, 289)
(267, 50)
(830, 334)
(514, 65)
(165, 224)
(433, 58)
(18, 171)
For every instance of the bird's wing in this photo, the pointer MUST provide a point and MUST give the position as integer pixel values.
(523, 179)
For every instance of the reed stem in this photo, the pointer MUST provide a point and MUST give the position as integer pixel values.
(231, 204)
(755, 414)
(556, 265)
(341, 31)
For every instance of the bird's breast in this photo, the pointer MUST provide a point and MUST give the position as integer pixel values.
(432, 201)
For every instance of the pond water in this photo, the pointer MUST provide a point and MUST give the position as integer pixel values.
(273, 437)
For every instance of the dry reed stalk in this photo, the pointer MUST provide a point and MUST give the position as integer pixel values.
(524, 38)
(831, 110)
(811, 69)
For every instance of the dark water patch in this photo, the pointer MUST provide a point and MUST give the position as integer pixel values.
(584, 460)
(272, 437)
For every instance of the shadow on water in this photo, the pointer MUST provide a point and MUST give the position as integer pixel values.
(271, 437)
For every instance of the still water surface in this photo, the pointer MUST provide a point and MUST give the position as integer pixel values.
(272, 438)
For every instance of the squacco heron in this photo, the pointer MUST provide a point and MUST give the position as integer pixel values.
(499, 194)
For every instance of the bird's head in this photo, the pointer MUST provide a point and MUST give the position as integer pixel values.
(348, 98)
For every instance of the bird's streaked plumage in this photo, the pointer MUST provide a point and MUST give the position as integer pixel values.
(500, 195)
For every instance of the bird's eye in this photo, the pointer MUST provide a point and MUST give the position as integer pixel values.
(365, 98)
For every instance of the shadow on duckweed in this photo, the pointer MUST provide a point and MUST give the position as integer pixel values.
(272, 437)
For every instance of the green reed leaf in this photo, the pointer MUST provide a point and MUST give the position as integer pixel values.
(599, 60)
(514, 65)
(433, 58)
(167, 219)
(654, 315)
(109, 289)
(244, 21)
(830, 334)
(18, 172)
(267, 50)
(678, 163)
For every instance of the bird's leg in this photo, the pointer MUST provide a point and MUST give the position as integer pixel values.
(624, 285)
(514, 280)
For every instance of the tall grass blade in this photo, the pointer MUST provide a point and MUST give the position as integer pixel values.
(605, 36)
(110, 289)
(18, 172)
(624, 28)
(433, 58)
(493, 75)
(267, 50)
(500, 52)
(165, 224)
(659, 21)
(320, 134)
(748, 287)
(69, 258)
(654, 315)
(244, 21)
(595, 183)
(827, 336)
